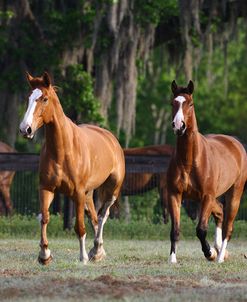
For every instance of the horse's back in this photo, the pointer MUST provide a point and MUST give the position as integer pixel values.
(227, 145)
(230, 154)
(5, 148)
(6, 176)
(103, 145)
(101, 137)
(150, 150)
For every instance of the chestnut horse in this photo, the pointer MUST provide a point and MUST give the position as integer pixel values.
(75, 160)
(136, 183)
(6, 178)
(142, 182)
(203, 168)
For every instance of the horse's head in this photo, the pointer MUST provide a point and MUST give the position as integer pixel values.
(182, 107)
(38, 111)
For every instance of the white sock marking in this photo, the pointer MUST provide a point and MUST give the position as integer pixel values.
(173, 258)
(222, 253)
(83, 252)
(44, 254)
(218, 238)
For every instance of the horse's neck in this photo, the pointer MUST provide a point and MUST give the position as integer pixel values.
(188, 146)
(57, 134)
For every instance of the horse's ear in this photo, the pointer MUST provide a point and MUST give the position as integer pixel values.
(190, 87)
(29, 77)
(174, 86)
(46, 79)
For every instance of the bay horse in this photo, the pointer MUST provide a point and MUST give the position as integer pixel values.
(137, 183)
(6, 178)
(203, 168)
(75, 160)
(142, 182)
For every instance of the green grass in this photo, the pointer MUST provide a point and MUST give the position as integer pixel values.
(28, 227)
(134, 270)
(136, 267)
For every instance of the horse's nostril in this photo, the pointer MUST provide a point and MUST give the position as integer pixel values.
(173, 124)
(183, 126)
(29, 130)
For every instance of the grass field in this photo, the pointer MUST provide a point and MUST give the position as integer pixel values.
(134, 270)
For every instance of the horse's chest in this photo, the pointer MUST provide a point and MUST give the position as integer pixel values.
(187, 184)
(54, 175)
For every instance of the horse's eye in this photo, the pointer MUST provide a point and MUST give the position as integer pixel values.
(45, 99)
(191, 104)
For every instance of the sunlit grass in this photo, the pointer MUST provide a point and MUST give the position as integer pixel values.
(134, 270)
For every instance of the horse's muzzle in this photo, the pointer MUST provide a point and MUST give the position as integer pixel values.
(26, 132)
(179, 131)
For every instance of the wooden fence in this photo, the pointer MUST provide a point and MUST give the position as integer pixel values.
(21, 162)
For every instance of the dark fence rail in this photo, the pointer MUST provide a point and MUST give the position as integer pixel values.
(134, 164)
(26, 179)
(19, 162)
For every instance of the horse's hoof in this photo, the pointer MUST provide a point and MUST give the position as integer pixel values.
(226, 255)
(213, 255)
(84, 260)
(98, 255)
(45, 261)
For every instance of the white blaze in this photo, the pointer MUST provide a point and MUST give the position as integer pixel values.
(179, 117)
(28, 117)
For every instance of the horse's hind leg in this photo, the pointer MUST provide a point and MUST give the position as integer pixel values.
(207, 206)
(108, 197)
(7, 200)
(232, 203)
(91, 211)
(217, 212)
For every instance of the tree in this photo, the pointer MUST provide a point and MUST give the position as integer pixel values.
(110, 39)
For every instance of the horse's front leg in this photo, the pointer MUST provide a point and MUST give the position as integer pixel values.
(80, 200)
(201, 231)
(46, 198)
(174, 203)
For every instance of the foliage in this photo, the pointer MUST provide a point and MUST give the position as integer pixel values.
(220, 108)
(77, 96)
(153, 12)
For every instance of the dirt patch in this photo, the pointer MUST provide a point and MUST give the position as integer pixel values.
(103, 286)
(14, 273)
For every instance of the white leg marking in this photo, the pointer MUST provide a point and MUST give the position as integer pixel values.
(218, 238)
(83, 252)
(222, 253)
(102, 221)
(39, 217)
(44, 254)
(173, 258)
